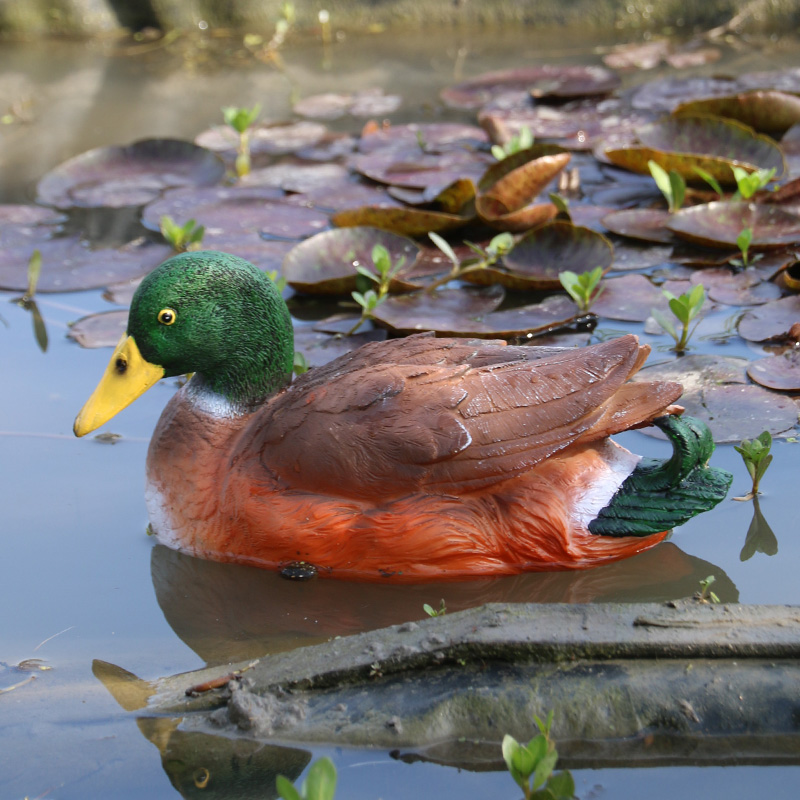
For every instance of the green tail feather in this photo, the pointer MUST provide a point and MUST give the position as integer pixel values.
(661, 494)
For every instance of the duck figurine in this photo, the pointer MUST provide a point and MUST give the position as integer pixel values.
(412, 459)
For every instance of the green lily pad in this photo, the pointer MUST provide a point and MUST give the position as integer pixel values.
(99, 330)
(771, 322)
(133, 175)
(448, 312)
(719, 224)
(765, 111)
(405, 221)
(326, 263)
(715, 390)
(711, 143)
(645, 224)
(781, 372)
(540, 255)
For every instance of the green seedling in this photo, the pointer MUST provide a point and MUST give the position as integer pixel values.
(710, 180)
(756, 456)
(585, 288)
(320, 783)
(279, 281)
(531, 765)
(495, 250)
(562, 204)
(382, 277)
(300, 363)
(748, 183)
(241, 120)
(28, 303)
(182, 237)
(519, 141)
(432, 612)
(743, 241)
(705, 594)
(685, 308)
(671, 184)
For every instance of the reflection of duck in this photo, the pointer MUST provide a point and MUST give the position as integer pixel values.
(420, 458)
(229, 613)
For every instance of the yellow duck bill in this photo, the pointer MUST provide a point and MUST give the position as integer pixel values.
(127, 376)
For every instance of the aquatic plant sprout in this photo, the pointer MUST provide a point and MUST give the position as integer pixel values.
(685, 308)
(320, 783)
(499, 246)
(757, 457)
(671, 184)
(585, 288)
(519, 141)
(241, 120)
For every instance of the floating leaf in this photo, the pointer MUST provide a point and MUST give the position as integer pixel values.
(720, 224)
(766, 111)
(421, 170)
(432, 137)
(267, 255)
(367, 103)
(539, 256)
(645, 224)
(715, 390)
(99, 330)
(772, 321)
(18, 214)
(781, 372)
(628, 297)
(267, 139)
(293, 177)
(128, 176)
(326, 263)
(541, 81)
(407, 221)
(746, 288)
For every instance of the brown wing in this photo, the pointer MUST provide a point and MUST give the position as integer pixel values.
(425, 414)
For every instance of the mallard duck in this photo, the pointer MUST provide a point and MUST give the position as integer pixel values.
(411, 459)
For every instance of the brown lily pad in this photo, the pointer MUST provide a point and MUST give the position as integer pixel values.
(634, 256)
(292, 177)
(781, 373)
(765, 111)
(19, 214)
(68, 265)
(405, 221)
(719, 224)
(367, 103)
(99, 330)
(628, 297)
(772, 321)
(265, 254)
(645, 224)
(715, 390)
(746, 288)
(540, 255)
(451, 199)
(326, 263)
(133, 175)
(418, 138)
(541, 81)
(448, 312)
(711, 143)
(265, 139)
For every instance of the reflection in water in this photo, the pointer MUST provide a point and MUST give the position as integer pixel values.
(226, 612)
(760, 537)
(39, 329)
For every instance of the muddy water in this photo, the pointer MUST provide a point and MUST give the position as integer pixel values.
(79, 578)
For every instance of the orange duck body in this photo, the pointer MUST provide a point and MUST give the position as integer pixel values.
(418, 458)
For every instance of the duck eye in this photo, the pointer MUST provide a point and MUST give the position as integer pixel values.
(167, 316)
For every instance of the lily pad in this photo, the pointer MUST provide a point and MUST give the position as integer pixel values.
(633, 256)
(772, 321)
(349, 195)
(265, 139)
(540, 255)
(68, 265)
(542, 81)
(421, 170)
(265, 254)
(99, 330)
(711, 143)
(645, 224)
(128, 176)
(765, 111)
(406, 221)
(448, 312)
(719, 224)
(781, 372)
(451, 199)
(715, 390)
(367, 103)
(628, 297)
(723, 285)
(293, 177)
(420, 138)
(19, 214)
(326, 263)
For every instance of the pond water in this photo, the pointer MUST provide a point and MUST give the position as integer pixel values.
(80, 579)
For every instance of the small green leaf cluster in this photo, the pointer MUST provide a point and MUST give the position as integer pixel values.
(531, 765)
(743, 243)
(432, 612)
(757, 457)
(705, 594)
(519, 141)
(685, 308)
(182, 237)
(671, 184)
(499, 246)
(241, 120)
(300, 364)
(320, 783)
(383, 275)
(585, 288)
(748, 183)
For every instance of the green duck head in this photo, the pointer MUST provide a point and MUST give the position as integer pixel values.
(205, 312)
